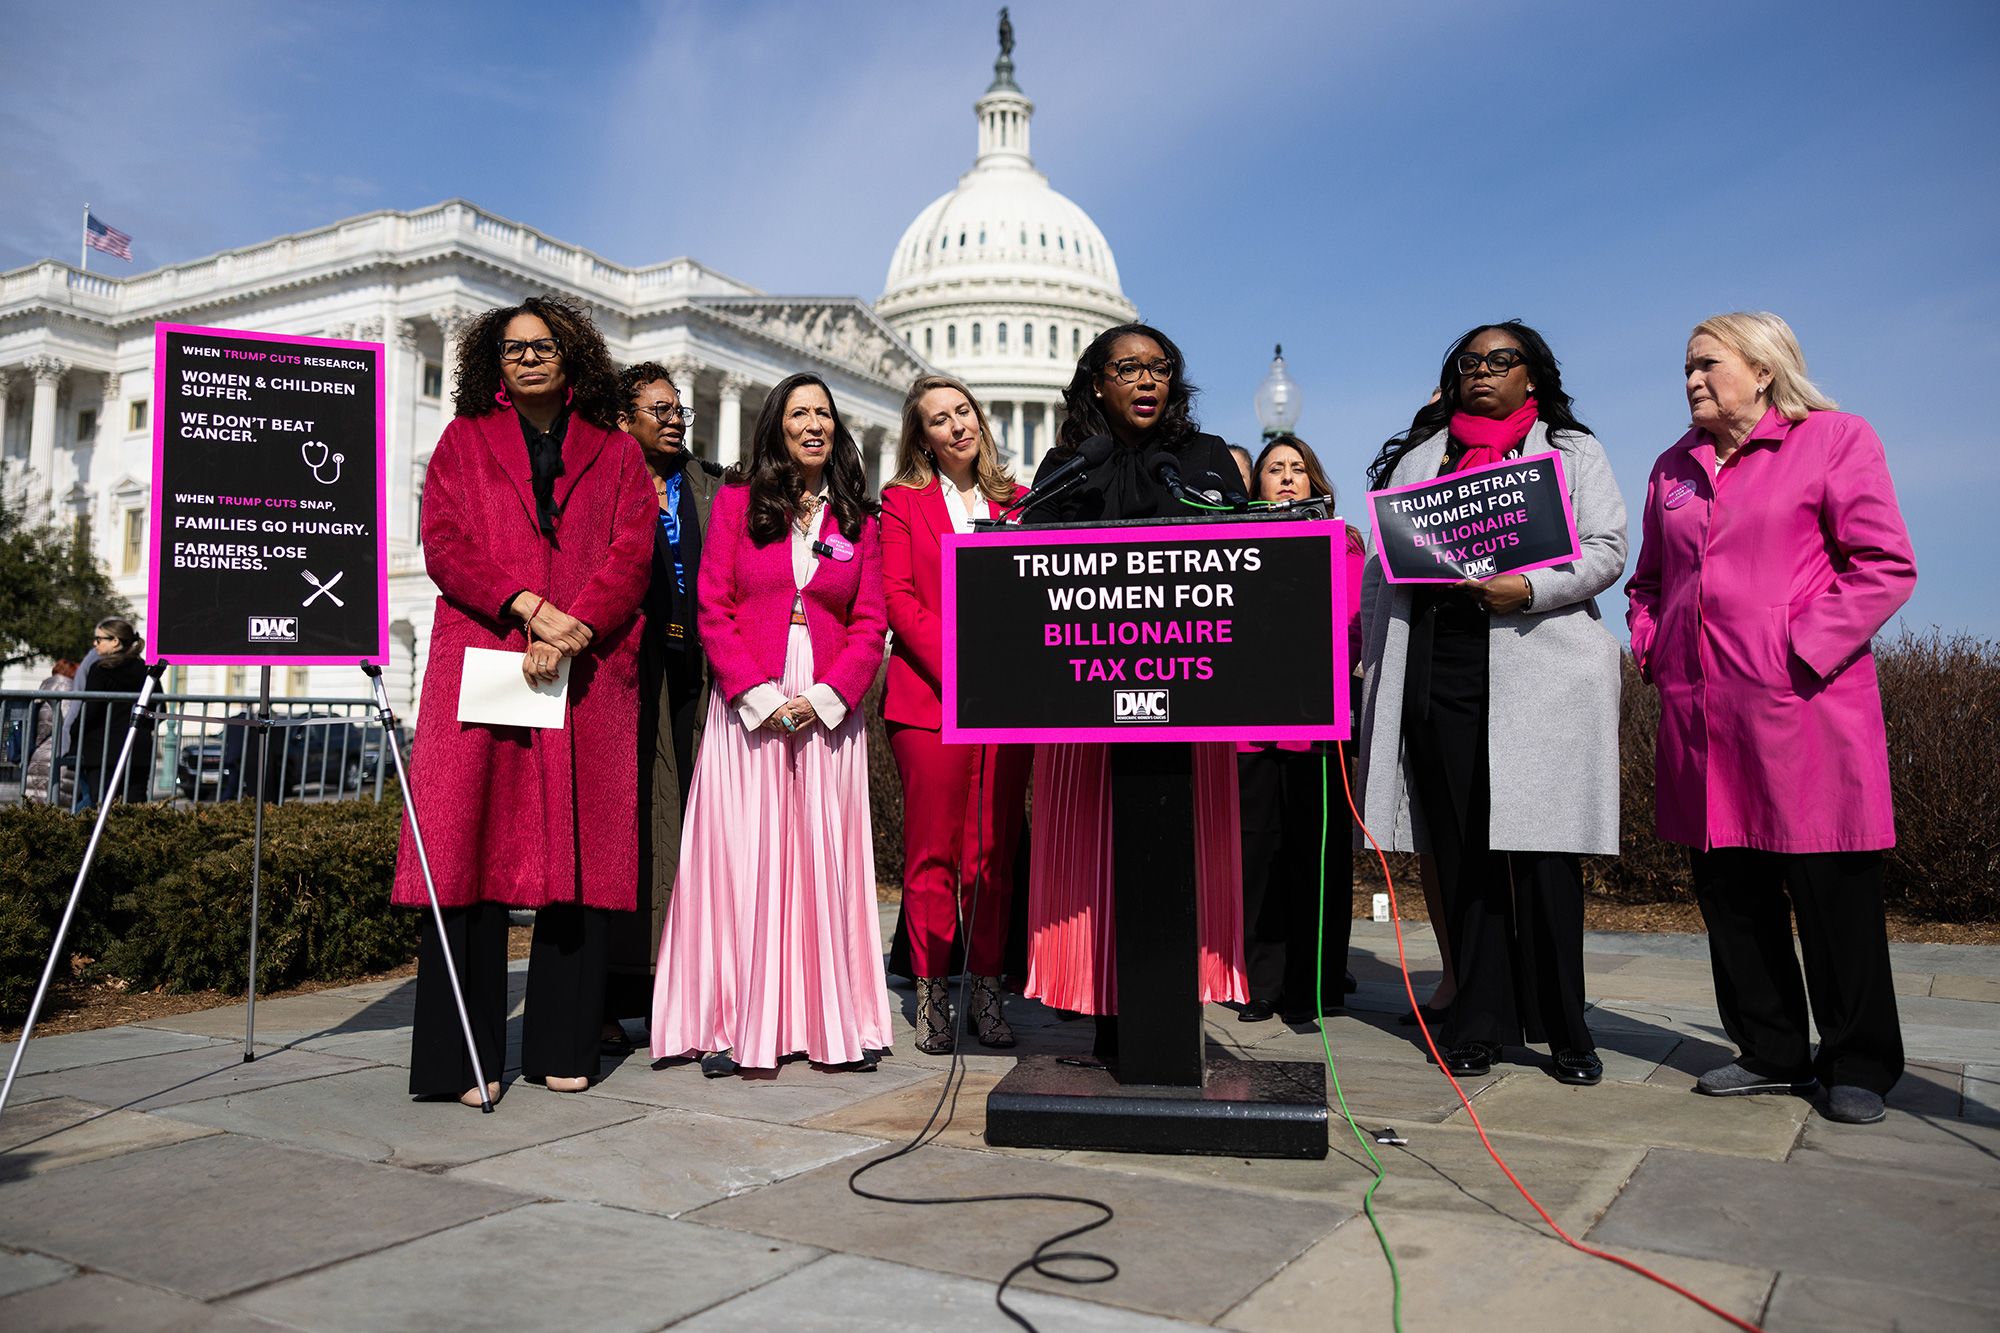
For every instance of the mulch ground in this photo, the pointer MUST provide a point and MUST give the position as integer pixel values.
(80, 1006)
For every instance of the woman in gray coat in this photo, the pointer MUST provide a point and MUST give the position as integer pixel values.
(1490, 713)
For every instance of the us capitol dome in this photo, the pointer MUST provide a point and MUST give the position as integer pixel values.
(1004, 281)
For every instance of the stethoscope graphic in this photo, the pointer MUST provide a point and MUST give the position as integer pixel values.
(306, 452)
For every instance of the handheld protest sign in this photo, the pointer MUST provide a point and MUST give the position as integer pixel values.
(269, 536)
(1504, 518)
(1171, 632)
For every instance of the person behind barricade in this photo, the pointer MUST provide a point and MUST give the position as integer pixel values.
(1490, 713)
(772, 946)
(1773, 550)
(120, 667)
(673, 679)
(1130, 384)
(1297, 832)
(962, 804)
(46, 734)
(538, 522)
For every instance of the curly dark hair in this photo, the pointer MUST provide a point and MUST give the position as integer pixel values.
(774, 480)
(1553, 405)
(1084, 418)
(586, 365)
(634, 378)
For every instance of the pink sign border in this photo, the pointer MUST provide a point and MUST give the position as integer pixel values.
(1569, 517)
(1334, 533)
(381, 655)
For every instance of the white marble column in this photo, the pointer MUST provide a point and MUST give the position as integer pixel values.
(729, 425)
(6, 387)
(1017, 439)
(1048, 427)
(48, 372)
(884, 442)
(451, 322)
(684, 371)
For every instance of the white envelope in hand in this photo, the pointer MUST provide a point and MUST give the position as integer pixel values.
(492, 690)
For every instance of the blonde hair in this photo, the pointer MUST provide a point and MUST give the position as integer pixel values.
(1763, 339)
(914, 467)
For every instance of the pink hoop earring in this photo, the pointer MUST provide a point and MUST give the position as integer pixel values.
(570, 397)
(500, 397)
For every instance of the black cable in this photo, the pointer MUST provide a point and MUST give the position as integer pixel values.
(1042, 1256)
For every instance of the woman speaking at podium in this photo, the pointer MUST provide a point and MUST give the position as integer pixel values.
(961, 803)
(1131, 385)
(538, 531)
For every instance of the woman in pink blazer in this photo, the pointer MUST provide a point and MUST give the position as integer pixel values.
(538, 531)
(1773, 552)
(962, 804)
(771, 945)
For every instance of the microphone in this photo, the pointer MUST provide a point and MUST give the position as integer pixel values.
(1167, 471)
(1089, 454)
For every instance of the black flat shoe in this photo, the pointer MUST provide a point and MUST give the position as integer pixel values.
(1472, 1060)
(1257, 1011)
(1582, 1068)
(718, 1064)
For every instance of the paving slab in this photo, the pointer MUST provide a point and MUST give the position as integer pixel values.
(154, 1082)
(617, 1270)
(1839, 1221)
(1224, 1243)
(851, 1295)
(61, 1131)
(1823, 1304)
(1957, 1015)
(1462, 1274)
(369, 1114)
(1981, 1087)
(665, 1161)
(1954, 986)
(216, 1215)
(1655, 946)
(1644, 1114)
(73, 1050)
(1945, 1146)
(1929, 1087)
(895, 1117)
(96, 1301)
(24, 1272)
(792, 1094)
(1978, 960)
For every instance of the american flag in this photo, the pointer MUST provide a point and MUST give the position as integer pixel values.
(99, 236)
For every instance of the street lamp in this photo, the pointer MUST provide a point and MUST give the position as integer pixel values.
(1278, 398)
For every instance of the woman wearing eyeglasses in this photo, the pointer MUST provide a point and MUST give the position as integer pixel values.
(537, 527)
(117, 662)
(772, 946)
(673, 680)
(1131, 385)
(1490, 713)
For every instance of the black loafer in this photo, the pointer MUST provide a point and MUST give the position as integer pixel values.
(1257, 1011)
(1472, 1060)
(1582, 1068)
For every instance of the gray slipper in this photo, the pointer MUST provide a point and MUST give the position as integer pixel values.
(1852, 1106)
(1733, 1080)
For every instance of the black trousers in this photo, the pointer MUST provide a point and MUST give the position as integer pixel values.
(1748, 899)
(628, 990)
(1515, 919)
(564, 1008)
(1284, 803)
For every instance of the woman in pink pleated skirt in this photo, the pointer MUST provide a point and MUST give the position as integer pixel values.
(772, 946)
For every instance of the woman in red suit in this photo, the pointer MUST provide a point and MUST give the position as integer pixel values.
(961, 803)
(538, 531)
(772, 946)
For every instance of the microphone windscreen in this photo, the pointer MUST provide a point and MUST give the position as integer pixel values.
(1095, 450)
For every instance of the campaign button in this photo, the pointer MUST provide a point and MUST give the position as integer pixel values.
(1680, 495)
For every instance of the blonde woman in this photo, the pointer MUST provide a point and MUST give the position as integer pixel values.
(961, 803)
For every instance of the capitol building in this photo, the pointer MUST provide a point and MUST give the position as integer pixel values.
(1001, 281)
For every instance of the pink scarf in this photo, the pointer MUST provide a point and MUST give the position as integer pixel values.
(1487, 440)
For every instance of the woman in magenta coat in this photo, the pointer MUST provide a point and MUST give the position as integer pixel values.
(538, 531)
(1773, 552)
(771, 946)
(962, 804)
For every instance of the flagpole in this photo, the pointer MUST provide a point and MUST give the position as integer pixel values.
(84, 249)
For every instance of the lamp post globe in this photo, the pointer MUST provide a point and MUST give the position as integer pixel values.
(1278, 398)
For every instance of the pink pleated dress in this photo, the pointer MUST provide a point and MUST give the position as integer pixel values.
(772, 945)
(1072, 927)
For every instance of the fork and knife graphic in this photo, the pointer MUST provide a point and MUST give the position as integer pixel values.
(323, 589)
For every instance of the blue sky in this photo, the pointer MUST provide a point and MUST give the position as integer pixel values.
(1360, 182)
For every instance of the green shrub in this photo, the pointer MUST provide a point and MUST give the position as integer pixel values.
(40, 849)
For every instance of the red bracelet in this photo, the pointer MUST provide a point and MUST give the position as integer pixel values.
(539, 603)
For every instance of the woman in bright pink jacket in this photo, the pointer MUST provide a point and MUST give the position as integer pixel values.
(771, 945)
(1773, 551)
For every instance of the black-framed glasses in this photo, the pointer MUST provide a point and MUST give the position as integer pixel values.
(514, 349)
(104, 638)
(1127, 372)
(1500, 360)
(663, 414)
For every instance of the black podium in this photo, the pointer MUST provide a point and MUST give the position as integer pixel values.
(1152, 636)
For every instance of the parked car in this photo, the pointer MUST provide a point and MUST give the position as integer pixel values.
(327, 758)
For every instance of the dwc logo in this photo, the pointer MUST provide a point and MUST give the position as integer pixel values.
(274, 629)
(1139, 705)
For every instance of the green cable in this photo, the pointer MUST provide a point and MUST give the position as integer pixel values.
(1326, 1045)
(1197, 504)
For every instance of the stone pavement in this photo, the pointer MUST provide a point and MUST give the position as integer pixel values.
(150, 1179)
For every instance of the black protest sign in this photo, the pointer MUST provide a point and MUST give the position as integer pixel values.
(1504, 518)
(268, 535)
